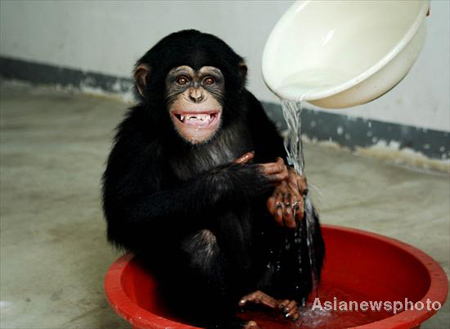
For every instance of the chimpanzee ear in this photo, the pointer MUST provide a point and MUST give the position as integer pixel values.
(243, 74)
(140, 76)
(243, 70)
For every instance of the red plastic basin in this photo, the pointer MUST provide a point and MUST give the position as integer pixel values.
(366, 265)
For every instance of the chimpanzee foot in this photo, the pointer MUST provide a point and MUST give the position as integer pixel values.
(260, 298)
(289, 308)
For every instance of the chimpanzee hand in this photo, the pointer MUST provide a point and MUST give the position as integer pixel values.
(275, 172)
(286, 203)
(245, 158)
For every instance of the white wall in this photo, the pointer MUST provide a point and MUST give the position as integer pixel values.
(109, 36)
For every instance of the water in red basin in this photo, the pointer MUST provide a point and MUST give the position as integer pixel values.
(360, 269)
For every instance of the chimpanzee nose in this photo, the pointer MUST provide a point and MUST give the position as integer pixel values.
(196, 95)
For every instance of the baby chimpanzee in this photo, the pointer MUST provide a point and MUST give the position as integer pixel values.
(197, 188)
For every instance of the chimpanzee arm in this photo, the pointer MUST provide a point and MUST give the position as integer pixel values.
(132, 192)
(203, 193)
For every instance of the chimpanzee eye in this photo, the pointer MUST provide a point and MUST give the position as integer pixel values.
(209, 80)
(182, 80)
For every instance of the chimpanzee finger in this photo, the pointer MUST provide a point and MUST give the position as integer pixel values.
(273, 210)
(293, 179)
(294, 315)
(277, 177)
(291, 306)
(302, 184)
(277, 167)
(270, 168)
(271, 205)
(292, 310)
(288, 215)
(289, 309)
(259, 297)
(296, 209)
(297, 181)
(245, 158)
(285, 172)
(299, 209)
(282, 305)
(279, 209)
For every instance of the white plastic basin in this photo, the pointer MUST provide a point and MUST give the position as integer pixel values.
(337, 54)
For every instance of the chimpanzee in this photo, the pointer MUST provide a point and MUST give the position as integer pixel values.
(197, 188)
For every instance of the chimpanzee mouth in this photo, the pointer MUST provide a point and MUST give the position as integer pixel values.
(200, 119)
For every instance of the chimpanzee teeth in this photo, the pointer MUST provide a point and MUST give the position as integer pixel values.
(200, 117)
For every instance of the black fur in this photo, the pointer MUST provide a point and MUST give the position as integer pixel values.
(198, 221)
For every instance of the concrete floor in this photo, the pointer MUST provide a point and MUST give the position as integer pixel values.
(53, 249)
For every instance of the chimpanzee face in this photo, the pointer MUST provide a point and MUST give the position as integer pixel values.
(191, 77)
(195, 101)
